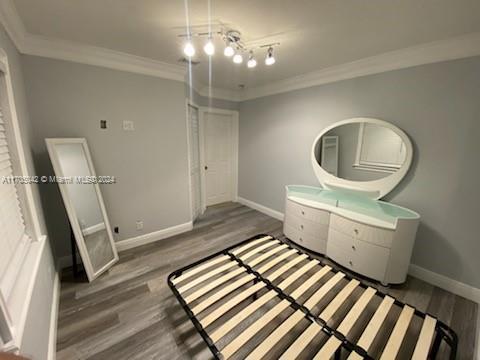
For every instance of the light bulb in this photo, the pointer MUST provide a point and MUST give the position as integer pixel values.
(229, 51)
(238, 59)
(189, 50)
(270, 59)
(251, 61)
(209, 48)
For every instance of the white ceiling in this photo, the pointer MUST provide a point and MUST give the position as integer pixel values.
(314, 34)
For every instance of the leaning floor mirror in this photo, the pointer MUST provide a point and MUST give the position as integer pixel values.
(83, 201)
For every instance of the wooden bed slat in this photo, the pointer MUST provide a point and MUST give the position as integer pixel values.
(329, 348)
(265, 256)
(251, 308)
(425, 339)
(222, 293)
(271, 340)
(258, 249)
(249, 245)
(302, 341)
(373, 326)
(247, 334)
(200, 268)
(342, 296)
(249, 277)
(240, 340)
(277, 335)
(279, 259)
(398, 334)
(320, 293)
(206, 276)
(214, 315)
(214, 284)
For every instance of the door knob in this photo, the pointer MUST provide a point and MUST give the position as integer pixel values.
(206, 167)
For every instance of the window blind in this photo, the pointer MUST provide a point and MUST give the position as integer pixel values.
(13, 236)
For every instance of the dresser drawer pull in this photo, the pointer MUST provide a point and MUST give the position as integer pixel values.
(301, 227)
(353, 247)
(355, 231)
(301, 239)
(351, 263)
(303, 212)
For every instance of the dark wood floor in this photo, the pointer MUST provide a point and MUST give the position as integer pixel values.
(130, 313)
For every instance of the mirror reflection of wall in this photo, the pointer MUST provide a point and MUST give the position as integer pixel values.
(83, 198)
(364, 152)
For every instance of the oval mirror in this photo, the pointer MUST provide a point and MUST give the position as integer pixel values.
(362, 155)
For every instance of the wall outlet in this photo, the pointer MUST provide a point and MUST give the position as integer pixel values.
(116, 230)
(139, 224)
(103, 124)
(128, 125)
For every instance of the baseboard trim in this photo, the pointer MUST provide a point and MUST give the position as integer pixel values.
(153, 236)
(263, 209)
(52, 333)
(467, 291)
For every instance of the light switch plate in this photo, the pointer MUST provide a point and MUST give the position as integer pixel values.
(128, 125)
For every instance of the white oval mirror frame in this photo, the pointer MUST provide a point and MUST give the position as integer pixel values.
(375, 189)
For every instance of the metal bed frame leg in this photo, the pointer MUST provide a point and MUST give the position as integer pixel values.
(451, 340)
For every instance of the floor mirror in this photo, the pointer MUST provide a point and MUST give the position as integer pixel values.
(75, 176)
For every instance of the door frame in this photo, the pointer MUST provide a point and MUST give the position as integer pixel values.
(189, 102)
(234, 183)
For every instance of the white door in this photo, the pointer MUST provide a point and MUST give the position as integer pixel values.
(193, 138)
(218, 145)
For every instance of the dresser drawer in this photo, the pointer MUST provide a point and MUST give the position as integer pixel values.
(345, 242)
(307, 227)
(311, 242)
(362, 257)
(305, 212)
(371, 234)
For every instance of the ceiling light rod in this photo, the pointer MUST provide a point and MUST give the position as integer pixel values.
(200, 34)
(269, 45)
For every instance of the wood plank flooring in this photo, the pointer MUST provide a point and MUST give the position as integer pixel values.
(130, 313)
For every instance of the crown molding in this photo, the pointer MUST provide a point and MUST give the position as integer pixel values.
(92, 55)
(438, 51)
(219, 93)
(37, 45)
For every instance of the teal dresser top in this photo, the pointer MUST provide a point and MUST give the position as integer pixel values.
(355, 206)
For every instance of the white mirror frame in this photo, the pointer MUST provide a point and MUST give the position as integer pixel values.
(375, 189)
(72, 216)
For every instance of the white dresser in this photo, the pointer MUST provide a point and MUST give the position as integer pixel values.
(367, 236)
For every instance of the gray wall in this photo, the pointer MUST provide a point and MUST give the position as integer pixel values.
(38, 316)
(67, 99)
(436, 105)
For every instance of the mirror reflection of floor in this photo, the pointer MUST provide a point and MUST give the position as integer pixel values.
(99, 249)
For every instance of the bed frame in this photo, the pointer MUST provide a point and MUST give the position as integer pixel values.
(256, 286)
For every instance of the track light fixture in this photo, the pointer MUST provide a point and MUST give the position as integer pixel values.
(229, 51)
(238, 58)
(234, 47)
(188, 49)
(209, 48)
(251, 63)
(270, 59)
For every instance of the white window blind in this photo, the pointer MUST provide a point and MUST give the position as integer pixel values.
(13, 237)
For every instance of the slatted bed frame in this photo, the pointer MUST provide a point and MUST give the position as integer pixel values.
(259, 283)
